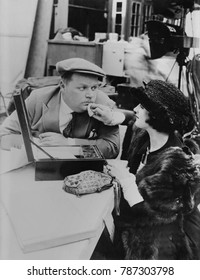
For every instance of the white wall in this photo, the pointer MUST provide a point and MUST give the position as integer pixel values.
(16, 25)
(61, 15)
(193, 29)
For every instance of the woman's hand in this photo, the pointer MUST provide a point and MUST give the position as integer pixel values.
(119, 169)
(105, 114)
(101, 112)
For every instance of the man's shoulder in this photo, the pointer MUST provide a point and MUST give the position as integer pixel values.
(44, 94)
(45, 91)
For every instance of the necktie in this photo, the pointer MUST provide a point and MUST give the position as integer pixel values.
(68, 129)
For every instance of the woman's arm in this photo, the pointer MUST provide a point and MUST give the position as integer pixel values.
(118, 168)
(110, 116)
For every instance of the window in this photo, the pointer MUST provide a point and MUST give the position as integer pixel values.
(135, 19)
(118, 15)
(88, 16)
(147, 15)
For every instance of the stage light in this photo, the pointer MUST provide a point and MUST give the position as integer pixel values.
(171, 8)
(163, 38)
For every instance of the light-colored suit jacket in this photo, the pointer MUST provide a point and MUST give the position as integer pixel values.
(43, 111)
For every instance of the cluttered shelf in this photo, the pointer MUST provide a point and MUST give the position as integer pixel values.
(61, 49)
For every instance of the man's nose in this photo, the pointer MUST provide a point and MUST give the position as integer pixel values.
(89, 93)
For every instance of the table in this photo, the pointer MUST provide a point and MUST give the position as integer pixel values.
(36, 218)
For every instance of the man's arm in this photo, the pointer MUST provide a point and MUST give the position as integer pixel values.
(108, 138)
(10, 132)
(111, 116)
(108, 141)
(109, 145)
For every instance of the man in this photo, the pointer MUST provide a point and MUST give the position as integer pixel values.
(58, 114)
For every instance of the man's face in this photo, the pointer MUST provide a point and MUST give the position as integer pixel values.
(79, 91)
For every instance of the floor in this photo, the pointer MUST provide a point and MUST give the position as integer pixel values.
(104, 249)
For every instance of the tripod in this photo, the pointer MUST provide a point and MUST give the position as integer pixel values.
(183, 52)
(181, 60)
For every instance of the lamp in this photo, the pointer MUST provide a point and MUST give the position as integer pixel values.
(171, 8)
(163, 38)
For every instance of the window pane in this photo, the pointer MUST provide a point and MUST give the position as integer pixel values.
(118, 18)
(119, 6)
(133, 19)
(118, 29)
(133, 8)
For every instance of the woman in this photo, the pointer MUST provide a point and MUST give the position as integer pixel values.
(168, 111)
(166, 224)
(162, 225)
(162, 117)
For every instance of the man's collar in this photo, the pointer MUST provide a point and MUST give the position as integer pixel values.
(64, 107)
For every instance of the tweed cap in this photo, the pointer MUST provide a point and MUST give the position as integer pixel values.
(164, 99)
(79, 65)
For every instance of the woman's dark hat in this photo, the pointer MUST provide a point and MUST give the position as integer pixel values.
(165, 99)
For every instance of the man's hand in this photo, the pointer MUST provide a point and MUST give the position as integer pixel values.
(11, 141)
(52, 139)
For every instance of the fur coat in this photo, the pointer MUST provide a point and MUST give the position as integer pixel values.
(166, 225)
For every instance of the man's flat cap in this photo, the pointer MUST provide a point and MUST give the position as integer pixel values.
(79, 65)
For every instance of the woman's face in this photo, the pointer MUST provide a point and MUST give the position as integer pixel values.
(142, 115)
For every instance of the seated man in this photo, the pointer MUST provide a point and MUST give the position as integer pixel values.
(59, 114)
